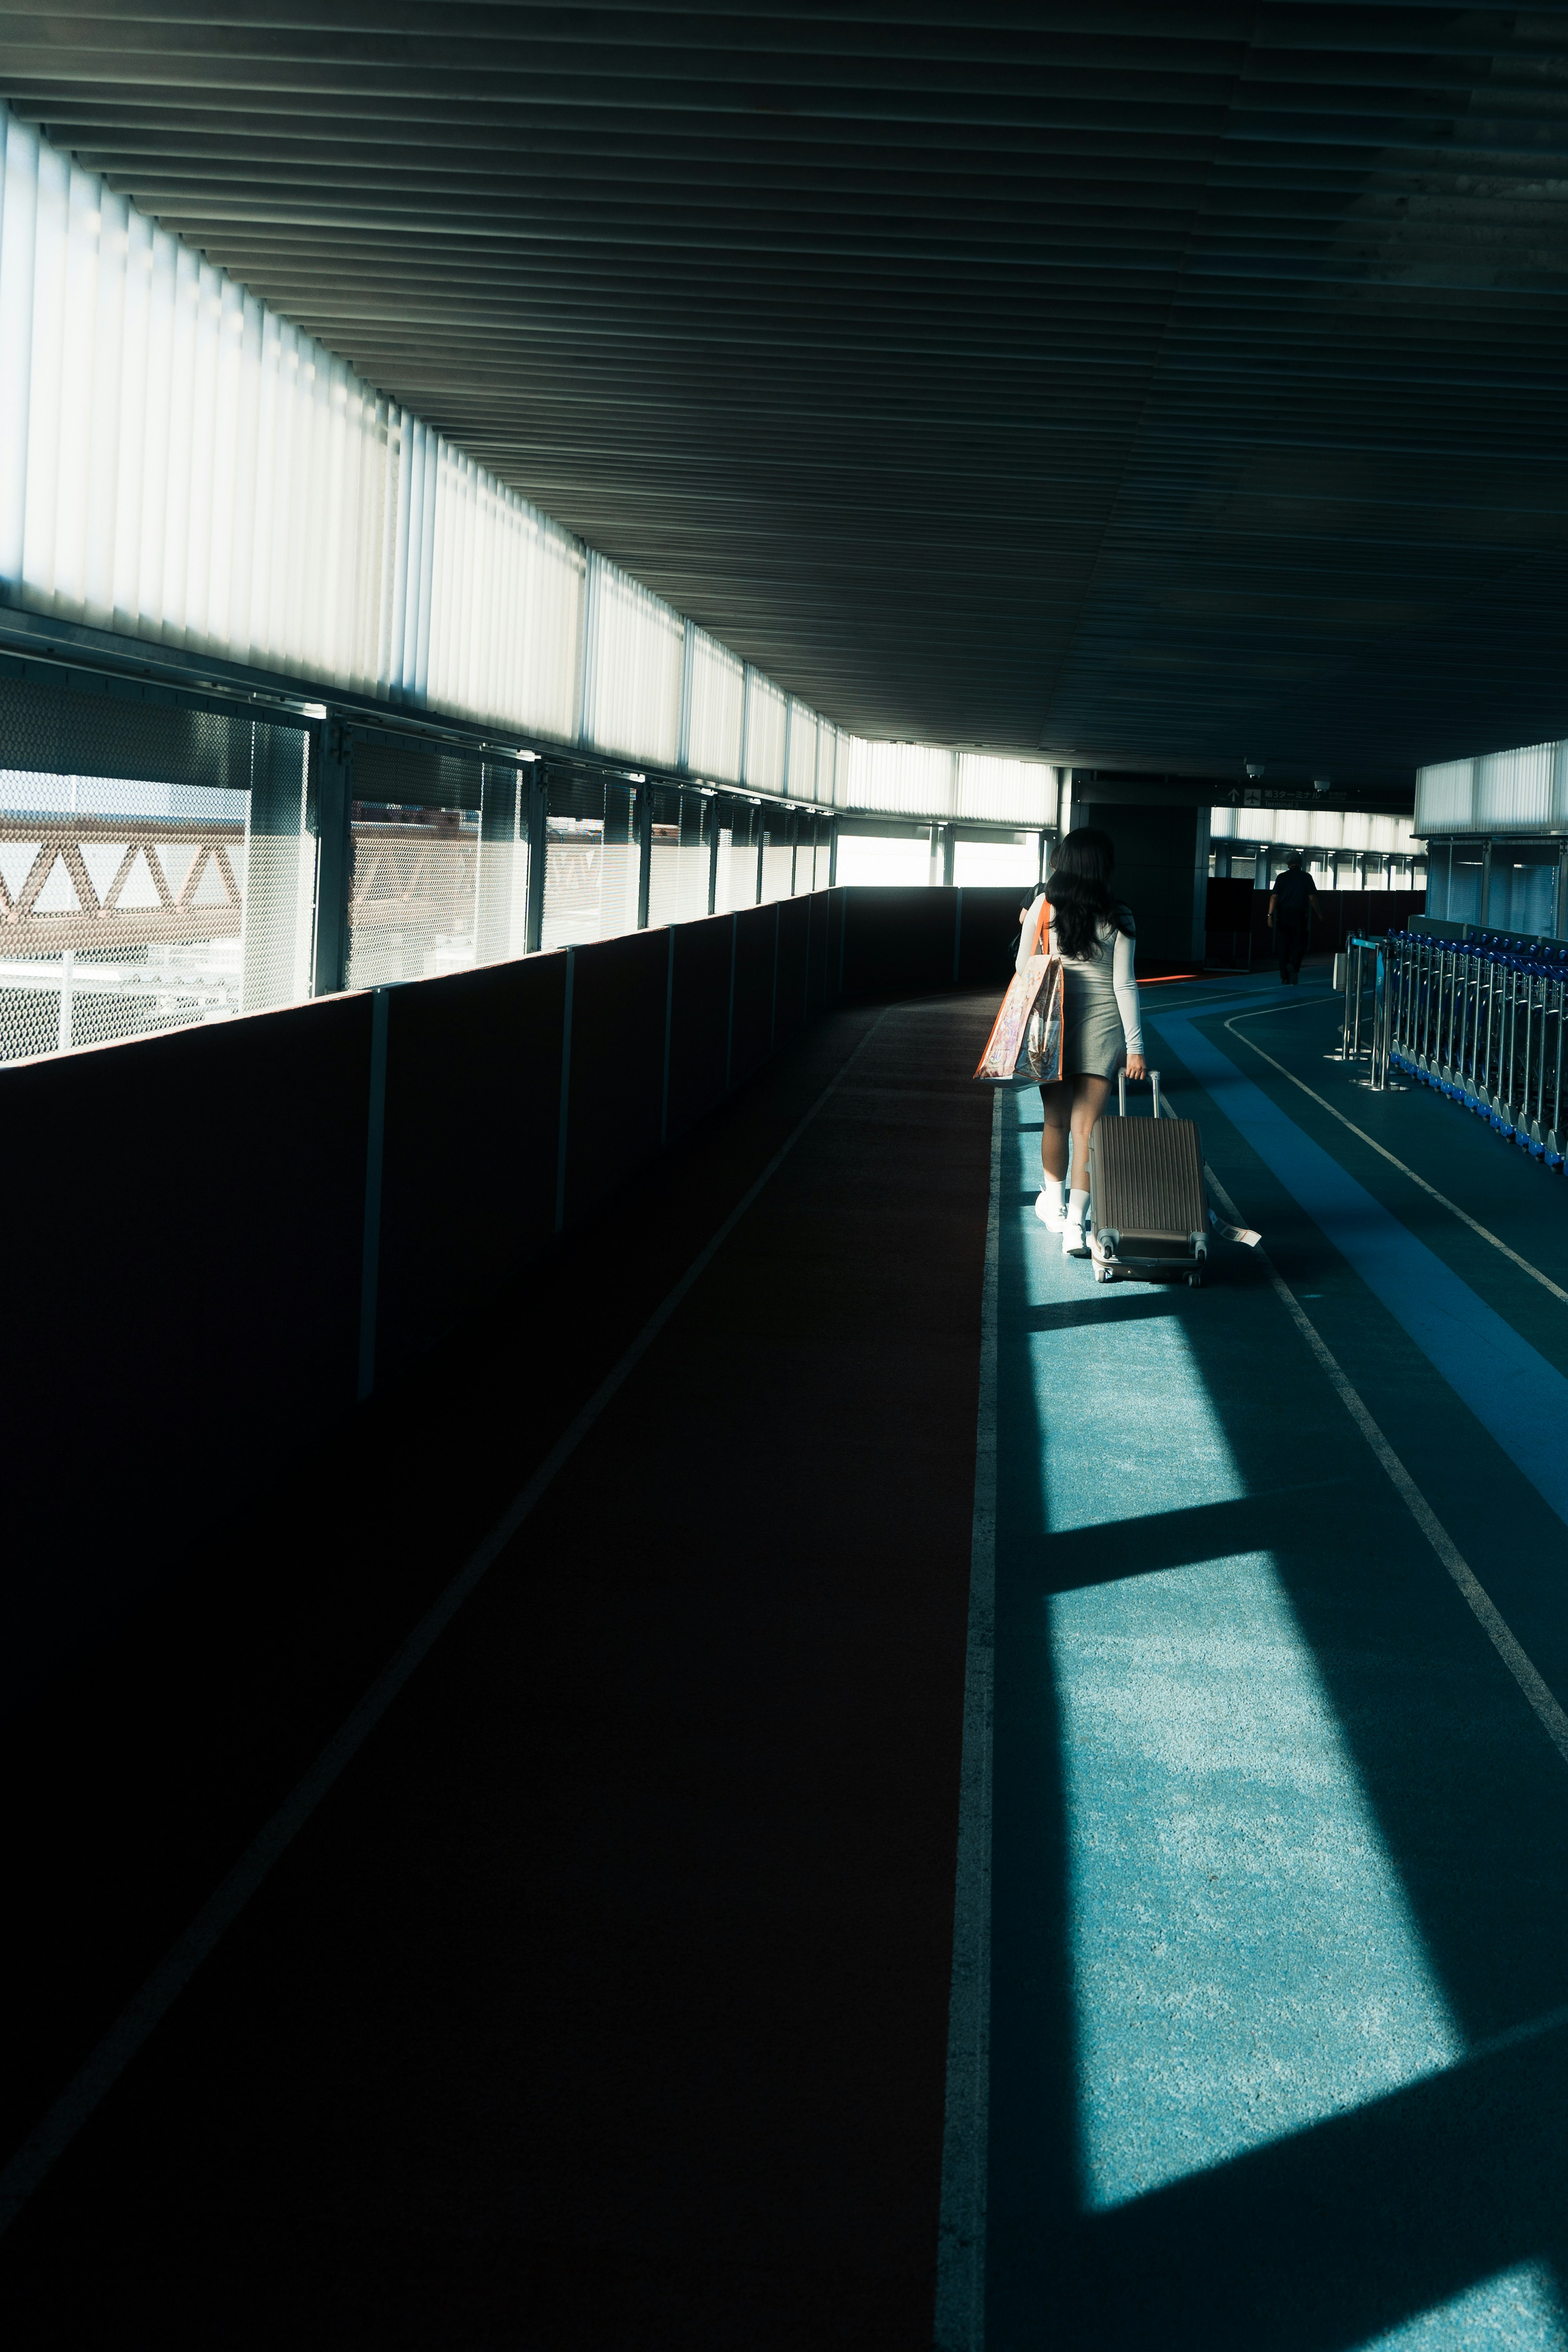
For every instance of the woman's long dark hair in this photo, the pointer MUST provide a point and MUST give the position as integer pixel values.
(1079, 892)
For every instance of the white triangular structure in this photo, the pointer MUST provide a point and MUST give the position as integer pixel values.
(175, 857)
(58, 896)
(140, 895)
(102, 861)
(211, 890)
(16, 864)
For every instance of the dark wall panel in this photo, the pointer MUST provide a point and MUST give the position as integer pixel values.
(699, 1018)
(988, 935)
(616, 1086)
(789, 988)
(1161, 872)
(473, 1093)
(835, 945)
(820, 906)
(751, 1039)
(185, 1217)
(898, 942)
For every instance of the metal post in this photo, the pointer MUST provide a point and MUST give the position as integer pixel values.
(334, 794)
(713, 831)
(645, 851)
(538, 852)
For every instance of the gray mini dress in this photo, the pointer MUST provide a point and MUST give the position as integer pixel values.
(1101, 1021)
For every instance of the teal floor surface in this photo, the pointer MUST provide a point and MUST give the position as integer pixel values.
(1278, 1990)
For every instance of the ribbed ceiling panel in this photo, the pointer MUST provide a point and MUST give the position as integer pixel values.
(1162, 386)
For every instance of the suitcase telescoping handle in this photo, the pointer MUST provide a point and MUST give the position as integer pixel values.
(1121, 1091)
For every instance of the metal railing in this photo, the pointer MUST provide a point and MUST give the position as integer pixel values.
(1481, 1022)
(1367, 1032)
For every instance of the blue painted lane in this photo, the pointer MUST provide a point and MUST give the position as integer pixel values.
(1244, 1962)
(1513, 1392)
(1206, 1964)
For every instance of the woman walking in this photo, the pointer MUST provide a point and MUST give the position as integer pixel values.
(1092, 933)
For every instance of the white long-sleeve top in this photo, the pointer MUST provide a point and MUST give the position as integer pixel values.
(1123, 978)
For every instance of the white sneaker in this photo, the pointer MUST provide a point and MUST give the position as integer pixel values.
(1075, 1233)
(1051, 1207)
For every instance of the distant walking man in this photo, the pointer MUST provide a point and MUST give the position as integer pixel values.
(1290, 906)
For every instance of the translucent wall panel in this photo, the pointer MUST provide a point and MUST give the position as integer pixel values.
(765, 713)
(913, 779)
(507, 597)
(1445, 797)
(1514, 787)
(801, 778)
(1317, 829)
(634, 666)
(716, 696)
(178, 462)
(1006, 792)
(839, 795)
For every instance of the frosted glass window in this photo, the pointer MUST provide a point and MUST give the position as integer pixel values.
(767, 710)
(715, 708)
(1465, 878)
(634, 669)
(1445, 797)
(413, 892)
(1524, 894)
(802, 752)
(911, 779)
(778, 854)
(739, 833)
(678, 857)
(983, 863)
(1022, 791)
(1514, 787)
(873, 858)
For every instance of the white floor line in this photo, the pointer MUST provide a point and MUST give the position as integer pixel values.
(48, 2142)
(1497, 1630)
(1442, 1198)
(960, 2237)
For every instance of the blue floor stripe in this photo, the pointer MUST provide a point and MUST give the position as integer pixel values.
(1513, 1392)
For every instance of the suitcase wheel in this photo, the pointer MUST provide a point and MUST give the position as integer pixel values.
(1196, 1281)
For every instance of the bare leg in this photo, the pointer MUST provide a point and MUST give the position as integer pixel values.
(1057, 1103)
(1088, 1101)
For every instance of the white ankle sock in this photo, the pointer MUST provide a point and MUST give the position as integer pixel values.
(1078, 1206)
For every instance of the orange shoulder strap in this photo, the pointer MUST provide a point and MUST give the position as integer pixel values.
(1043, 931)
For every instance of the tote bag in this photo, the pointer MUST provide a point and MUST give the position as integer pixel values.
(1024, 1047)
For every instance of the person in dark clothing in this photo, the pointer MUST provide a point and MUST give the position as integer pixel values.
(1291, 908)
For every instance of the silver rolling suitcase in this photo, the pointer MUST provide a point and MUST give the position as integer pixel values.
(1148, 1208)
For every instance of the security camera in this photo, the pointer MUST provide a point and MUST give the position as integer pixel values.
(1254, 769)
(1321, 783)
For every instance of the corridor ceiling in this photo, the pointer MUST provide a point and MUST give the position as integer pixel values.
(1152, 386)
